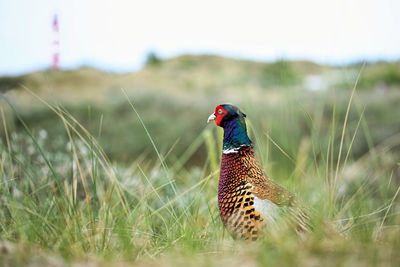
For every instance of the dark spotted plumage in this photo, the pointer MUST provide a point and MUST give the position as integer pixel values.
(244, 190)
(236, 199)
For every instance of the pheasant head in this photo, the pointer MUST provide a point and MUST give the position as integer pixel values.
(233, 121)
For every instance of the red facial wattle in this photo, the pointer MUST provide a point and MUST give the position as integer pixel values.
(220, 112)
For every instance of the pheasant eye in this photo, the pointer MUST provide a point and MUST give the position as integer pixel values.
(220, 111)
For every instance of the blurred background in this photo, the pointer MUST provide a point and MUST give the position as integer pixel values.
(179, 59)
(318, 80)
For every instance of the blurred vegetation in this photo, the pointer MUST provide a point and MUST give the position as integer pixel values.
(280, 73)
(153, 59)
(381, 73)
(10, 82)
(165, 95)
(86, 179)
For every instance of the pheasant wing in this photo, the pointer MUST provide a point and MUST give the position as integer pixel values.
(268, 196)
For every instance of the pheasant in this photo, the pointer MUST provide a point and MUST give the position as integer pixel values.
(248, 199)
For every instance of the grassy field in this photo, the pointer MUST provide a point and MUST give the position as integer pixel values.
(99, 168)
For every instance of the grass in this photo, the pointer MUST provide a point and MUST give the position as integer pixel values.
(65, 199)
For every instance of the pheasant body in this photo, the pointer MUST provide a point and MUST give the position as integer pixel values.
(249, 201)
(235, 198)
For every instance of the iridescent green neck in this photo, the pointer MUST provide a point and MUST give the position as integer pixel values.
(235, 135)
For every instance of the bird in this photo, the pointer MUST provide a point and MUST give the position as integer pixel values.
(250, 201)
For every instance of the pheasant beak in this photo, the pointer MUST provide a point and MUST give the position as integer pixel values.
(211, 118)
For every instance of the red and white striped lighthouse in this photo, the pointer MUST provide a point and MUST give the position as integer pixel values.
(56, 44)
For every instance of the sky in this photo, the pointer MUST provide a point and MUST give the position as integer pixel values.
(117, 35)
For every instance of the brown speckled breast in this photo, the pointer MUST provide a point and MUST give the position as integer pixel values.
(241, 181)
(236, 198)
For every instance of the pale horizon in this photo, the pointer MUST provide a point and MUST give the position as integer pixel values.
(117, 36)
